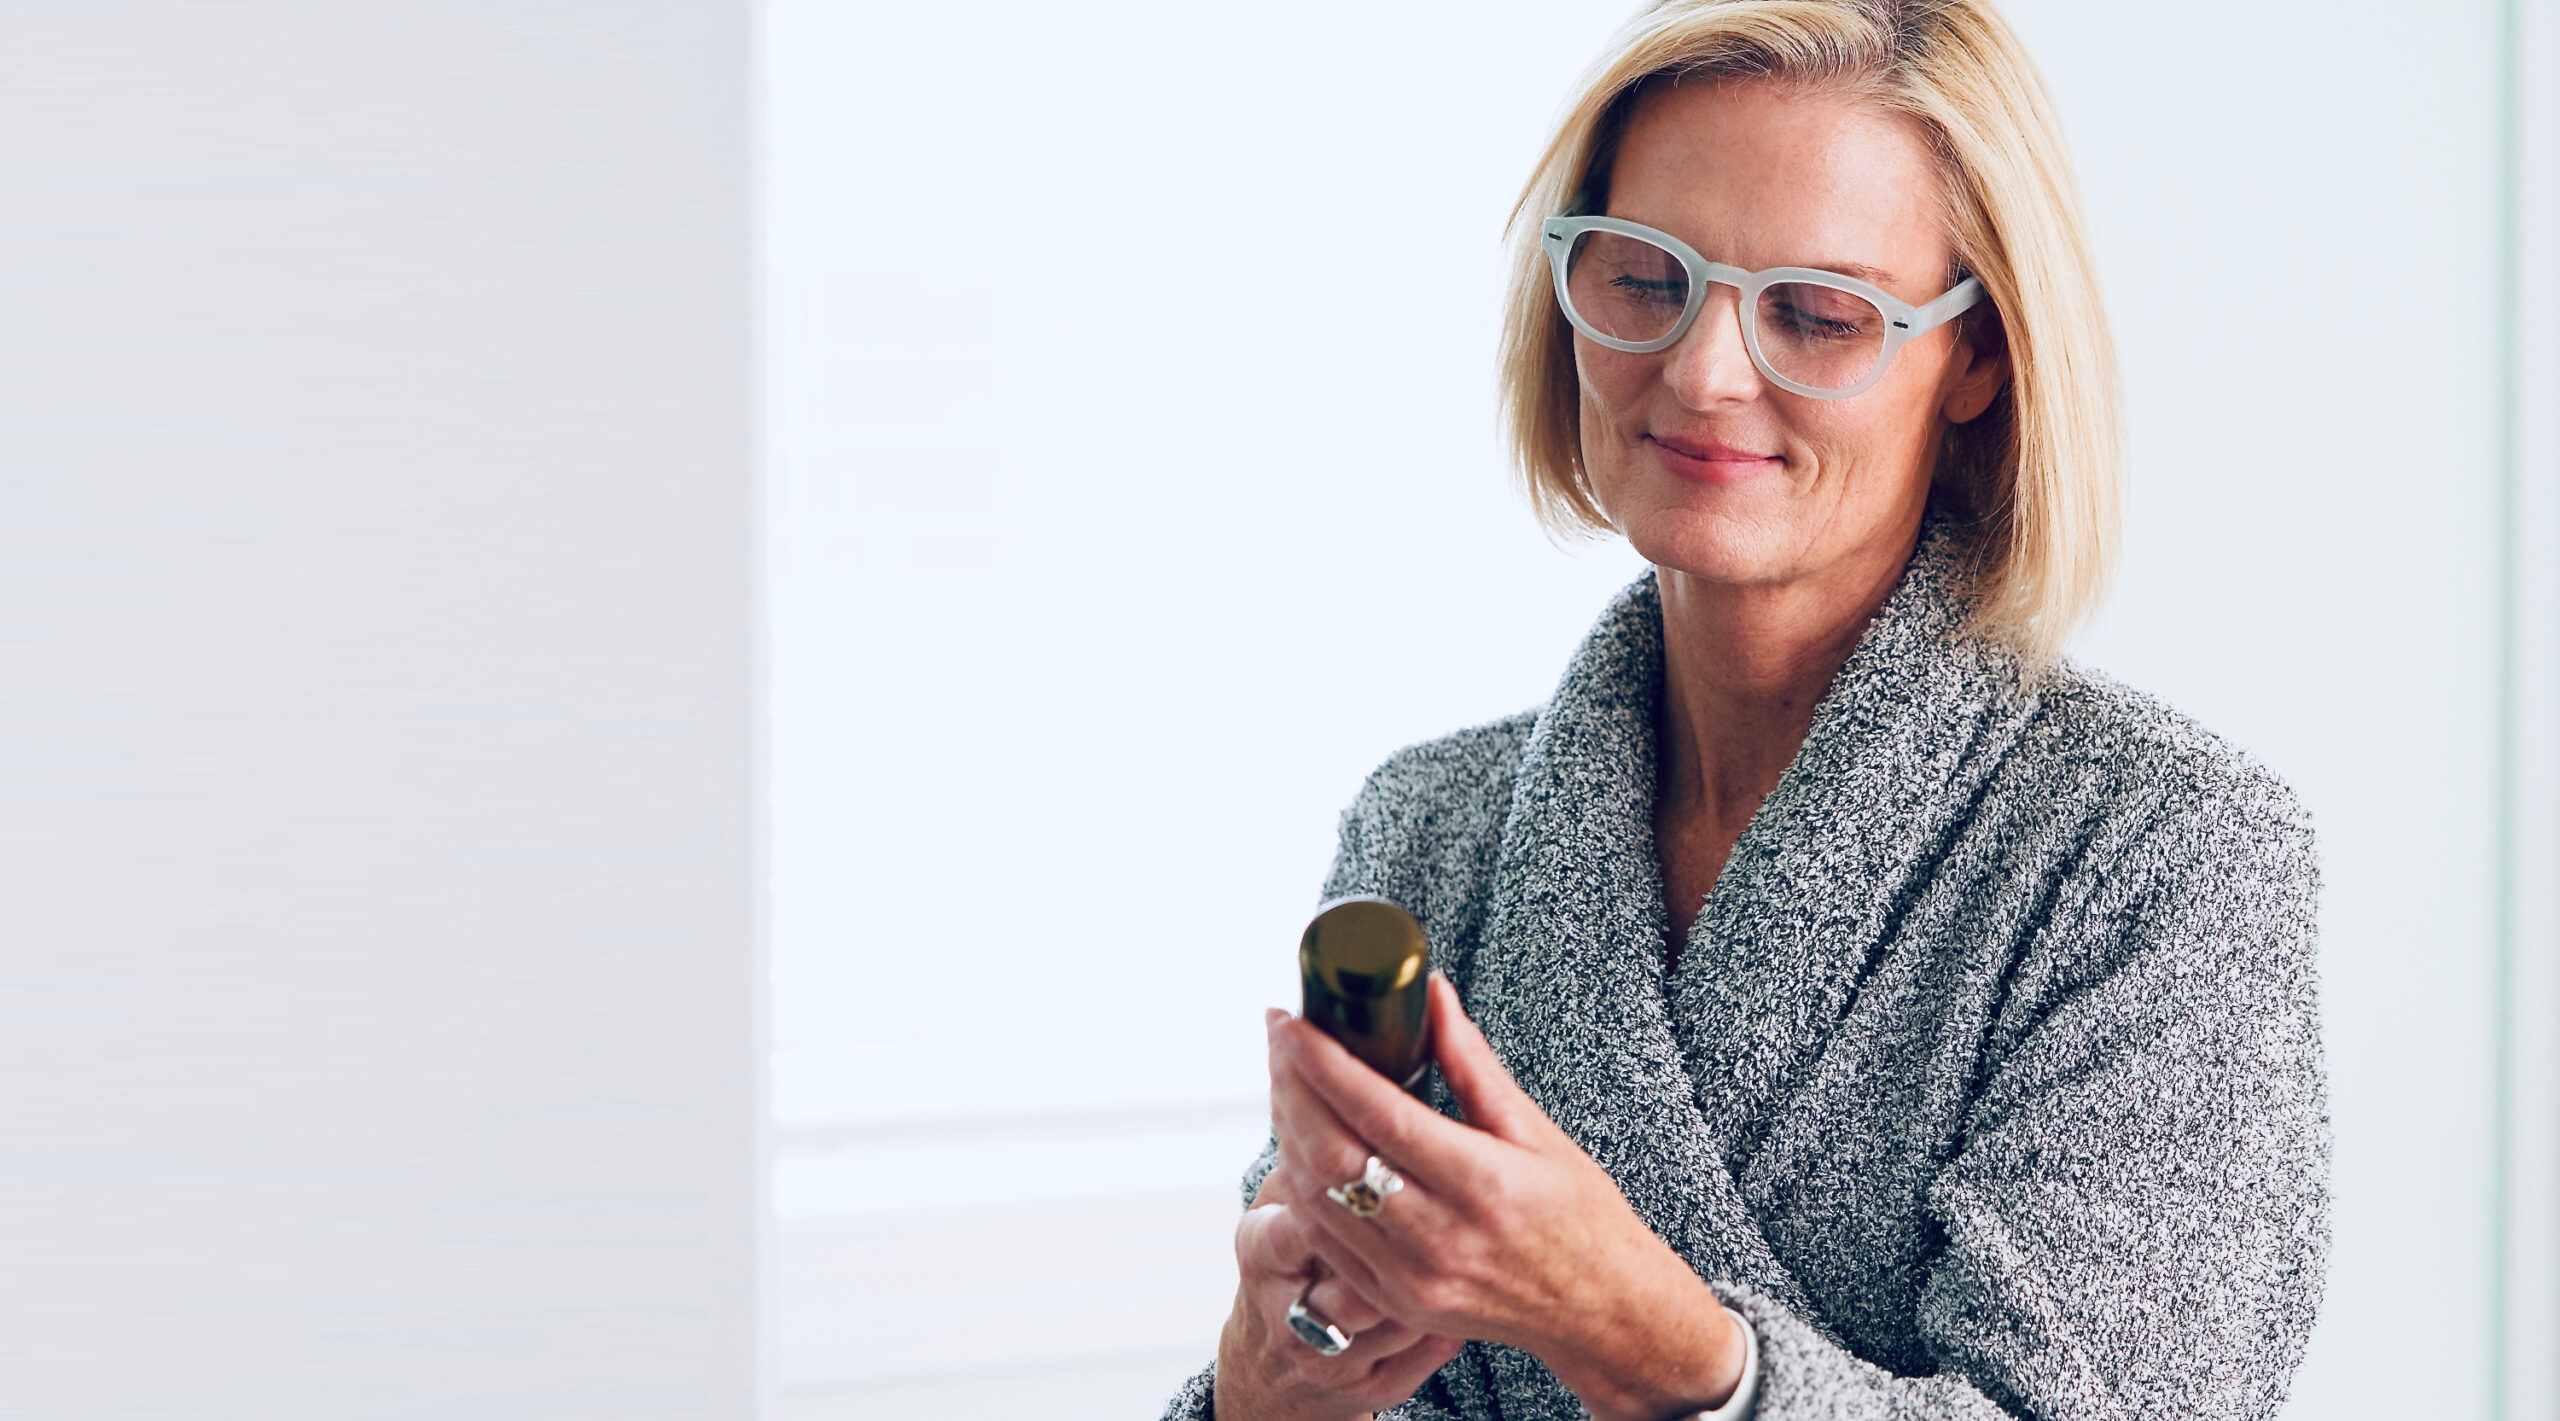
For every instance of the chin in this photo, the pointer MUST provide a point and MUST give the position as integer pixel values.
(1717, 544)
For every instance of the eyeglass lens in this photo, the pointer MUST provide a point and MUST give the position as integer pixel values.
(1626, 288)
(1629, 289)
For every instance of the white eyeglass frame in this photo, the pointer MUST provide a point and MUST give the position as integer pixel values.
(1902, 319)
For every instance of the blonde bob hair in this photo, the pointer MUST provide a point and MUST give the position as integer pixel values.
(2033, 479)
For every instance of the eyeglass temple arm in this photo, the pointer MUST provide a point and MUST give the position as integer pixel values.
(1956, 302)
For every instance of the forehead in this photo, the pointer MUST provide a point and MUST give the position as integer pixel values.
(1762, 173)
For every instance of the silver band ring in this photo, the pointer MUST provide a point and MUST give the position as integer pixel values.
(1366, 1195)
(1314, 1328)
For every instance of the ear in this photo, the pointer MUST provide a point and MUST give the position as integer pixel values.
(1978, 366)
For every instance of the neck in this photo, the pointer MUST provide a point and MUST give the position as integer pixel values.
(1743, 667)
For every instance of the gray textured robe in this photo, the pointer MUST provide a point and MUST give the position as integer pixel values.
(1989, 1082)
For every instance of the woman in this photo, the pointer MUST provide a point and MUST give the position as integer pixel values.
(1848, 1008)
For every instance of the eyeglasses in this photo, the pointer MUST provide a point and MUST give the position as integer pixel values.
(1813, 332)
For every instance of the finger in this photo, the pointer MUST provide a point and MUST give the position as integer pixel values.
(1350, 1268)
(1401, 1373)
(1336, 1299)
(1379, 1251)
(1353, 1370)
(1418, 1139)
(1373, 1334)
(1493, 1101)
(1314, 1140)
(1276, 1243)
(1318, 1151)
(1381, 1368)
(1382, 1241)
(1266, 1244)
(1353, 1248)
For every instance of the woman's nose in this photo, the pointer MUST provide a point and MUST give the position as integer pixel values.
(1709, 363)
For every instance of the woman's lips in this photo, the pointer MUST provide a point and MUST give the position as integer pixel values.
(1709, 463)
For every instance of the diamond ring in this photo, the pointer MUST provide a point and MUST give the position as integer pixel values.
(1367, 1194)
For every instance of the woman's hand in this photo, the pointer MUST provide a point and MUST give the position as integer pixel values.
(1505, 1230)
(1265, 1373)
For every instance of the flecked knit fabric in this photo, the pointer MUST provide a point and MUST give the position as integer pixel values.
(1989, 1082)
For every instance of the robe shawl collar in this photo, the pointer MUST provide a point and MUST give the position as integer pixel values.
(1667, 1083)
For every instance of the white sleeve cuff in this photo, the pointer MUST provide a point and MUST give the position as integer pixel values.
(1746, 1392)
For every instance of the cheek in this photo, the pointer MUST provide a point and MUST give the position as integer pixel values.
(1611, 381)
(1891, 431)
(1611, 386)
(1916, 420)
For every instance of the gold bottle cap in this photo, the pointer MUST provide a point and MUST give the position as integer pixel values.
(1363, 948)
(1362, 962)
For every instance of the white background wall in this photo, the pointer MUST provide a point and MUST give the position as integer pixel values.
(378, 1029)
(1115, 540)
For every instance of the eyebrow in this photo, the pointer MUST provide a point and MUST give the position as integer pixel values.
(1867, 274)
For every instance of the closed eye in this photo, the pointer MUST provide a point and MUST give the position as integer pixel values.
(1638, 286)
(1800, 321)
